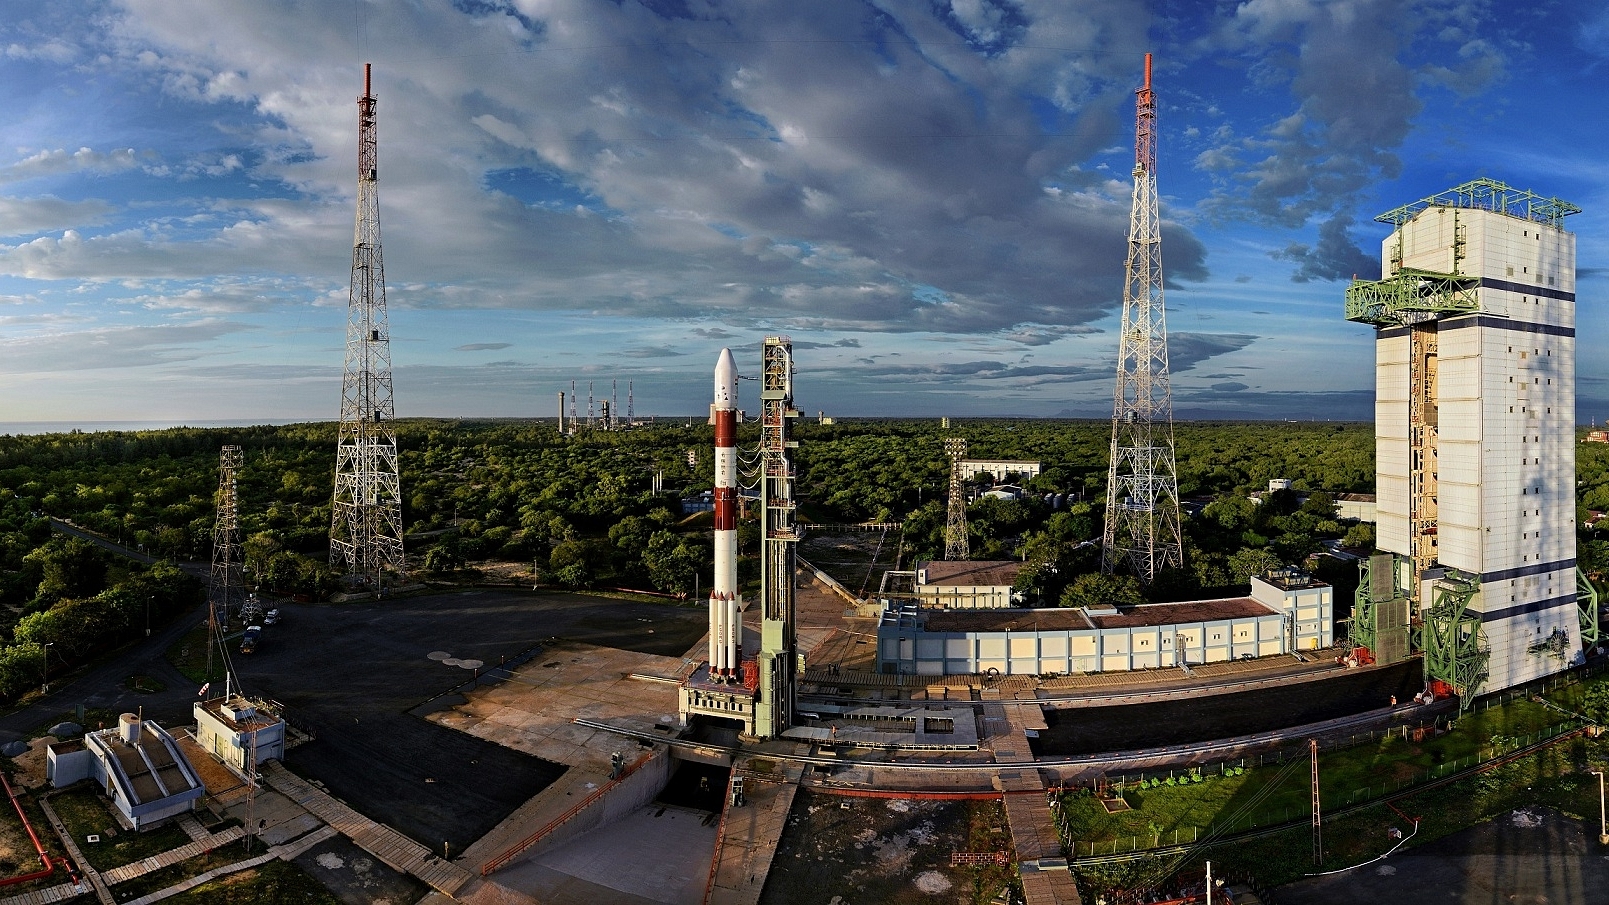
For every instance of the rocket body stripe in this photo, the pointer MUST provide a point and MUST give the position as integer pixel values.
(726, 629)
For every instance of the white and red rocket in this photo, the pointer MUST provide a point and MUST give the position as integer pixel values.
(726, 627)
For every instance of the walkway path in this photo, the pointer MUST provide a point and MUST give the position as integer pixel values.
(172, 856)
(1045, 877)
(748, 841)
(94, 878)
(396, 850)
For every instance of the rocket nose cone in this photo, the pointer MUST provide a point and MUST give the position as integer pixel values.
(725, 380)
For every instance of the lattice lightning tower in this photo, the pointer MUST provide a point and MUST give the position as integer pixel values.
(957, 546)
(1142, 487)
(226, 590)
(366, 525)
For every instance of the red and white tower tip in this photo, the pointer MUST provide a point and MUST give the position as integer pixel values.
(726, 629)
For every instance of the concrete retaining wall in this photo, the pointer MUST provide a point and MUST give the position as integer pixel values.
(630, 794)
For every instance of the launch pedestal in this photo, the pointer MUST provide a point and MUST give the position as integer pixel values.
(710, 696)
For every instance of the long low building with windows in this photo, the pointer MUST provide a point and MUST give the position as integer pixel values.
(1286, 611)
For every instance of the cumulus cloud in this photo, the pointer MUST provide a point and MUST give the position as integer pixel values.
(892, 181)
(53, 162)
(31, 216)
(1353, 69)
(1335, 257)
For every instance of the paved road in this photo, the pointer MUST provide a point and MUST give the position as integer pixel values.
(1533, 855)
(102, 685)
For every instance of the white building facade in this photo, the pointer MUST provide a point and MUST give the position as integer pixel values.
(1285, 613)
(1474, 428)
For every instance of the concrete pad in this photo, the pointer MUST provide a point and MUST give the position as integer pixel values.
(656, 854)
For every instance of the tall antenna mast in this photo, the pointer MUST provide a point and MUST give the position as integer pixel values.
(226, 590)
(631, 408)
(957, 545)
(614, 404)
(573, 398)
(1142, 486)
(366, 522)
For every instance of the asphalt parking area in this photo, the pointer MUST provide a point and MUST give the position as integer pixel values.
(352, 672)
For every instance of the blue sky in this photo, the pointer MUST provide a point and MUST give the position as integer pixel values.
(930, 196)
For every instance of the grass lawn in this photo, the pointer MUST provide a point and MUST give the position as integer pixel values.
(17, 853)
(184, 870)
(1268, 795)
(85, 813)
(272, 883)
(189, 655)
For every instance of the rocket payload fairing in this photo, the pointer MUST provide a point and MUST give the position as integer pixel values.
(726, 627)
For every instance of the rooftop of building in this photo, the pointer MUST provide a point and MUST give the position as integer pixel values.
(1490, 195)
(1061, 619)
(151, 763)
(241, 714)
(1292, 580)
(991, 573)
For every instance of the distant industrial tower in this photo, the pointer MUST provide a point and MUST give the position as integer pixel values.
(1142, 486)
(366, 524)
(226, 591)
(631, 403)
(1474, 440)
(561, 411)
(573, 398)
(957, 546)
(779, 533)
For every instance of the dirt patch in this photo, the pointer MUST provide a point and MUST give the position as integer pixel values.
(885, 850)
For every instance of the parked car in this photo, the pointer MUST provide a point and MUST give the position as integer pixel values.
(271, 617)
(248, 641)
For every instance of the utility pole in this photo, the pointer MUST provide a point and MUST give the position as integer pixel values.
(1318, 823)
(957, 545)
(366, 521)
(1142, 485)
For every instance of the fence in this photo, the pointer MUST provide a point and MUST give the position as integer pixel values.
(1290, 814)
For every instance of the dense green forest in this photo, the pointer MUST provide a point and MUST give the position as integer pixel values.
(581, 508)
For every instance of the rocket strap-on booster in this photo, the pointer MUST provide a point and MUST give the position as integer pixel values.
(726, 627)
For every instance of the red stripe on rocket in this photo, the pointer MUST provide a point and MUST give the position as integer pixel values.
(726, 629)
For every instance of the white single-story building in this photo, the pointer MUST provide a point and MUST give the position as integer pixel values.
(998, 468)
(242, 733)
(1287, 611)
(966, 584)
(137, 764)
(1358, 506)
